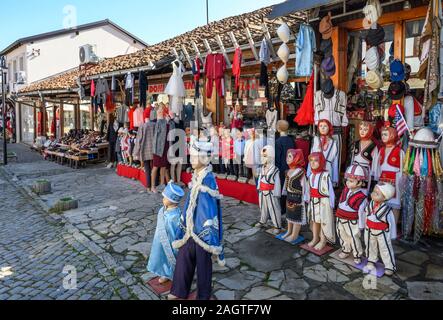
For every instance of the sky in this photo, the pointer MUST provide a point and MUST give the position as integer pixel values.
(151, 20)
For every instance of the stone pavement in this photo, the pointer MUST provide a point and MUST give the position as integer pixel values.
(114, 225)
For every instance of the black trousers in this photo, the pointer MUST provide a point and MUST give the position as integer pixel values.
(190, 257)
(147, 165)
(239, 168)
(229, 168)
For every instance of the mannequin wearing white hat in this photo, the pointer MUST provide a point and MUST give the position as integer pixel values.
(380, 229)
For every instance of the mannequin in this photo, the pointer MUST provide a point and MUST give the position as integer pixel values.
(272, 118)
(294, 189)
(321, 202)
(351, 213)
(269, 190)
(365, 150)
(250, 159)
(176, 89)
(144, 147)
(236, 117)
(388, 167)
(328, 146)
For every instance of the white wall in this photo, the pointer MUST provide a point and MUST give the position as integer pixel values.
(61, 53)
(15, 55)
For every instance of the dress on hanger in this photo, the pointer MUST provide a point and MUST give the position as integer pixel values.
(176, 88)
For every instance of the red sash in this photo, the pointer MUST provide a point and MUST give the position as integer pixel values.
(380, 226)
(342, 214)
(316, 194)
(266, 186)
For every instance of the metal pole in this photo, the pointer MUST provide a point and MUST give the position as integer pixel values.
(207, 11)
(5, 144)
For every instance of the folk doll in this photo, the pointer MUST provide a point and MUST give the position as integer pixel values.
(294, 189)
(269, 190)
(201, 229)
(389, 166)
(325, 144)
(381, 229)
(351, 212)
(365, 151)
(321, 201)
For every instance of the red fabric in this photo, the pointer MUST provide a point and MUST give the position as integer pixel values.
(316, 194)
(305, 146)
(393, 110)
(147, 113)
(227, 149)
(92, 88)
(266, 186)
(370, 135)
(110, 106)
(243, 192)
(198, 67)
(236, 67)
(342, 214)
(131, 118)
(388, 176)
(319, 156)
(298, 159)
(215, 68)
(324, 138)
(305, 115)
(393, 158)
(380, 226)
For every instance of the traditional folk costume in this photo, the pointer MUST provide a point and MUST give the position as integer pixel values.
(351, 213)
(269, 190)
(201, 233)
(295, 188)
(330, 150)
(321, 198)
(389, 166)
(364, 152)
(380, 230)
(162, 260)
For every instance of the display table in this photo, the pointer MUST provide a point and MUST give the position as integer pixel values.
(243, 192)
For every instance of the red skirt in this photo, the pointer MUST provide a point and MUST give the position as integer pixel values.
(162, 162)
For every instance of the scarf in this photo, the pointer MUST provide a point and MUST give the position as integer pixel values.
(298, 159)
(322, 161)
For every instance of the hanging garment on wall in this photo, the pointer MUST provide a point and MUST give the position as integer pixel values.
(236, 67)
(143, 85)
(215, 68)
(305, 115)
(176, 88)
(122, 114)
(305, 46)
(265, 54)
(129, 89)
(196, 71)
(139, 117)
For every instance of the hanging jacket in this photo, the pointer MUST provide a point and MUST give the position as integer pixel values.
(215, 66)
(305, 45)
(236, 67)
(265, 55)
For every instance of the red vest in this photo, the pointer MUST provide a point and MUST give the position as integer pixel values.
(393, 158)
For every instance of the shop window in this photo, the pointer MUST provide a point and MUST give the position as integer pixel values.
(413, 30)
(27, 124)
(69, 118)
(50, 129)
(85, 117)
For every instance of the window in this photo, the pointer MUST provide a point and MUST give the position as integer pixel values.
(14, 70)
(22, 64)
(412, 49)
(10, 74)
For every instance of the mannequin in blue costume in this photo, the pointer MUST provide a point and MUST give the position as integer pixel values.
(162, 260)
(201, 234)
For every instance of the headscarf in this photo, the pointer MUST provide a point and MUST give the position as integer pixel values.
(370, 134)
(393, 137)
(321, 160)
(298, 161)
(323, 138)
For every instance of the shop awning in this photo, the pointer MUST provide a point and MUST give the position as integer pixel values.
(291, 6)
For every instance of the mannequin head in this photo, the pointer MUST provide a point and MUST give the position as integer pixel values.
(353, 184)
(295, 159)
(318, 162)
(226, 133)
(161, 109)
(377, 196)
(200, 155)
(267, 155)
(283, 126)
(389, 136)
(325, 128)
(366, 131)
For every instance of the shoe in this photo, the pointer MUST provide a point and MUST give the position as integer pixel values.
(389, 273)
(343, 255)
(357, 261)
(171, 297)
(259, 225)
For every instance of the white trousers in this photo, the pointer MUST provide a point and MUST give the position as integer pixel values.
(378, 243)
(270, 208)
(350, 237)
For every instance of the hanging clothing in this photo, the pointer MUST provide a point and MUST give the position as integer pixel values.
(143, 85)
(196, 71)
(162, 260)
(145, 140)
(305, 115)
(92, 88)
(265, 53)
(129, 89)
(122, 114)
(413, 113)
(272, 119)
(236, 67)
(139, 118)
(215, 68)
(131, 118)
(305, 46)
(264, 78)
(176, 88)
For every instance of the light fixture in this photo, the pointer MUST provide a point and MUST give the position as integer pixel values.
(407, 6)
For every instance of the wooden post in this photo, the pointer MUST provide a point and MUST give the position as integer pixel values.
(340, 50)
(43, 119)
(35, 121)
(62, 119)
(399, 41)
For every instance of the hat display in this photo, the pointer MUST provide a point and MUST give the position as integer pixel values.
(284, 53)
(173, 193)
(284, 33)
(328, 66)
(283, 75)
(326, 47)
(372, 58)
(397, 90)
(357, 172)
(327, 86)
(397, 70)
(325, 27)
(376, 36)
(372, 12)
(374, 80)
(388, 190)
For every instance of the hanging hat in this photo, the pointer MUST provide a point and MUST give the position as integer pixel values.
(388, 190)
(326, 26)
(372, 58)
(357, 172)
(326, 47)
(328, 66)
(408, 71)
(327, 86)
(173, 193)
(283, 75)
(374, 80)
(284, 33)
(376, 36)
(397, 70)
(372, 12)
(397, 90)
(284, 53)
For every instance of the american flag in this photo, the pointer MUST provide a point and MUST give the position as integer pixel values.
(400, 123)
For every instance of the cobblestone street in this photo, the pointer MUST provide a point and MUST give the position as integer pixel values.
(107, 239)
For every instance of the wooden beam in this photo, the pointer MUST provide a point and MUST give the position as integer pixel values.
(399, 41)
(175, 53)
(196, 49)
(208, 47)
(251, 43)
(222, 47)
(188, 58)
(62, 119)
(389, 18)
(233, 39)
(340, 50)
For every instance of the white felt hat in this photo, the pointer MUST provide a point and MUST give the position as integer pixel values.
(283, 75)
(284, 53)
(284, 33)
(388, 190)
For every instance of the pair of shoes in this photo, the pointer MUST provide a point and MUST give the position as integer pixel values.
(259, 225)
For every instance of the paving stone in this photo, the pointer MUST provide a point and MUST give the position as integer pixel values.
(275, 284)
(313, 258)
(261, 293)
(425, 290)
(225, 295)
(232, 263)
(143, 248)
(362, 289)
(298, 287)
(281, 298)
(434, 272)
(326, 293)
(414, 257)
(407, 270)
(259, 275)
(238, 282)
